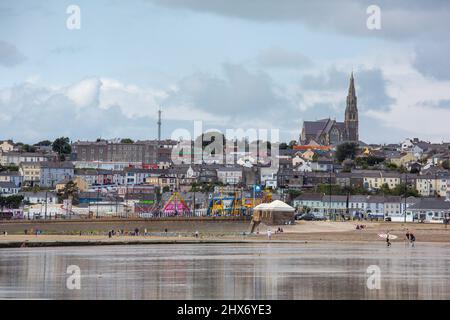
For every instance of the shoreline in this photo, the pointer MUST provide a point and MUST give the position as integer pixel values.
(99, 243)
(219, 232)
(43, 241)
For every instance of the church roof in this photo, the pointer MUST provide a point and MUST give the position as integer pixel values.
(315, 127)
(340, 125)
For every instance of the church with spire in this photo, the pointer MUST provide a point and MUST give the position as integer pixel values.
(329, 131)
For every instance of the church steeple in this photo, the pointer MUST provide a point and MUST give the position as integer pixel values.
(351, 88)
(351, 113)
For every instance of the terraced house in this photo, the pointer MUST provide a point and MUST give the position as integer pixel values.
(54, 172)
(376, 179)
(31, 172)
(433, 184)
(372, 206)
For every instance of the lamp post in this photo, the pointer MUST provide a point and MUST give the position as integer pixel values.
(406, 194)
(329, 214)
(45, 214)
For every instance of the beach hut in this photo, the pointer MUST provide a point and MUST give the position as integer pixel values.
(275, 213)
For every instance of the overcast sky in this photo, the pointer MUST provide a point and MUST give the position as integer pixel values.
(232, 64)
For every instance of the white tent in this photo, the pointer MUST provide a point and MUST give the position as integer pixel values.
(276, 212)
(262, 206)
(278, 205)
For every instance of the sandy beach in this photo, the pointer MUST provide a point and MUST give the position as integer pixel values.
(300, 232)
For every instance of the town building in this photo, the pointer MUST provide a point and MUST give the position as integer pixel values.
(429, 185)
(31, 172)
(8, 188)
(53, 172)
(429, 210)
(15, 158)
(11, 176)
(331, 132)
(39, 197)
(6, 146)
(143, 152)
(229, 175)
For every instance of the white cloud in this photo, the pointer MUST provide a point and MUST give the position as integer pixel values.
(132, 99)
(85, 92)
(417, 105)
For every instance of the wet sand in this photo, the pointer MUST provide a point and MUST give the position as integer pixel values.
(318, 270)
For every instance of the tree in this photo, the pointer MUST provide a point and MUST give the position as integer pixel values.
(62, 147)
(283, 146)
(346, 150)
(292, 143)
(384, 189)
(325, 189)
(10, 167)
(293, 193)
(391, 166)
(401, 190)
(44, 143)
(369, 161)
(126, 140)
(27, 148)
(12, 202)
(70, 191)
(414, 170)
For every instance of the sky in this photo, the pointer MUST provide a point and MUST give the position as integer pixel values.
(231, 64)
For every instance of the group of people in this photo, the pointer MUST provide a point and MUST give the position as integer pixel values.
(32, 231)
(122, 232)
(409, 236)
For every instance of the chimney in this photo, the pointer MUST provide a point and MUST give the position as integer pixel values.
(159, 125)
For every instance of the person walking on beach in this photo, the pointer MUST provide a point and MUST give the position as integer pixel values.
(412, 239)
(388, 240)
(269, 234)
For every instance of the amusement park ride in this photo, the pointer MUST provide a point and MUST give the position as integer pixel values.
(176, 205)
(220, 204)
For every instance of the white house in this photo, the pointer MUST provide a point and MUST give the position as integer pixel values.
(8, 188)
(39, 197)
(297, 160)
(305, 167)
(6, 146)
(269, 177)
(229, 175)
(407, 145)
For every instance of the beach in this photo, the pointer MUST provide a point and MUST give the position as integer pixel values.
(231, 232)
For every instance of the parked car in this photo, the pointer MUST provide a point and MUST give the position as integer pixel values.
(309, 217)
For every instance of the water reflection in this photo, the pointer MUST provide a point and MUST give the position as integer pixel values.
(250, 271)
